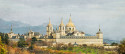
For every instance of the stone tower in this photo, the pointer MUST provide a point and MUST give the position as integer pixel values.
(70, 27)
(99, 34)
(49, 28)
(31, 34)
(11, 31)
(62, 28)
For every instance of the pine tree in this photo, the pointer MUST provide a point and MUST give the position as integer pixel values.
(6, 39)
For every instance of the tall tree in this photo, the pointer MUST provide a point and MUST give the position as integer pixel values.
(122, 47)
(2, 37)
(2, 47)
(34, 40)
(6, 39)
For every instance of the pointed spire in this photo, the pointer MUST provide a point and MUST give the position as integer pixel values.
(99, 28)
(49, 25)
(11, 31)
(70, 23)
(70, 20)
(99, 32)
(62, 22)
(11, 28)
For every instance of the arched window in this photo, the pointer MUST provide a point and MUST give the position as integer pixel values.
(69, 28)
(63, 28)
(73, 28)
(48, 28)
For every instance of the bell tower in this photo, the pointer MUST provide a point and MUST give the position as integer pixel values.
(99, 34)
(49, 28)
(70, 27)
(62, 28)
(11, 31)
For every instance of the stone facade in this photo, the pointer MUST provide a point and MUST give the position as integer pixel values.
(11, 35)
(64, 34)
(69, 34)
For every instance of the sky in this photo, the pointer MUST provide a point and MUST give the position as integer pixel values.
(87, 15)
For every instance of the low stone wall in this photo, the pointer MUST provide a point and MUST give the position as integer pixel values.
(110, 47)
(95, 42)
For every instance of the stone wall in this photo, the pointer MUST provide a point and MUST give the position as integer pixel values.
(95, 42)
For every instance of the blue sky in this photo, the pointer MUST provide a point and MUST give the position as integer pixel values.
(86, 14)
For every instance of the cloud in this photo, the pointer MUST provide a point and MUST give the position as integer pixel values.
(86, 14)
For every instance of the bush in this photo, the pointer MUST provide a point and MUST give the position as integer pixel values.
(21, 43)
(122, 47)
(70, 48)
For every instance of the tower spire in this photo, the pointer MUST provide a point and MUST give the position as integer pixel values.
(99, 32)
(62, 21)
(49, 25)
(99, 28)
(70, 23)
(11, 29)
(70, 20)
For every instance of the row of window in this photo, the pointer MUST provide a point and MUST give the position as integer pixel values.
(59, 28)
(64, 37)
(49, 28)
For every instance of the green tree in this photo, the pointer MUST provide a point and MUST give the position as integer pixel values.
(21, 43)
(6, 39)
(31, 47)
(121, 49)
(2, 37)
(2, 47)
(34, 40)
(114, 44)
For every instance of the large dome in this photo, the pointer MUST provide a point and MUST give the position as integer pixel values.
(70, 24)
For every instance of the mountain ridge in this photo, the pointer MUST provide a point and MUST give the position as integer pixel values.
(22, 28)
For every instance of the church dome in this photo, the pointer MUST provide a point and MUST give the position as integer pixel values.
(70, 24)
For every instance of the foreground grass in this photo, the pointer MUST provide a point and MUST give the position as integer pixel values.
(87, 50)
